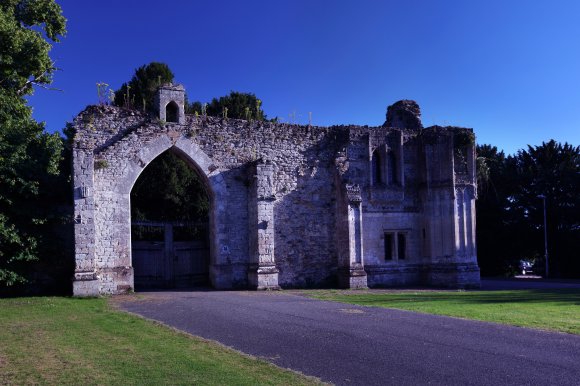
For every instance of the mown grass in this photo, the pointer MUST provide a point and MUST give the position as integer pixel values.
(556, 310)
(85, 341)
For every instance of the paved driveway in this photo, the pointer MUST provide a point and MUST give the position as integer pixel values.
(351, 345)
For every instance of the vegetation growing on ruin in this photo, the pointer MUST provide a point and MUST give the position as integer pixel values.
(139, 92)
(463, 138)
(236, 105)
(101, 164)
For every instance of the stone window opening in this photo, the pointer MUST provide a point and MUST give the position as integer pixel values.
(392, 177)
(172, 112)
(395, 245)
(401, 246)
(377, 168)
(385, 167)
(389, 244)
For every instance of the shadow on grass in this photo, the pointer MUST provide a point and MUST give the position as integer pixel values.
(559, 296)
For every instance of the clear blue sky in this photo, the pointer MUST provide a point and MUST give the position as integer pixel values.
(509, 69)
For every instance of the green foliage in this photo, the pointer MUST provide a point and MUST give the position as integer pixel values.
(236, 105)
(104, 94)
(24, 59)
(101, 164)
(29, 157)
(169, 190)
(510, 214)
(139, 93)
(463, 138)
(194, 108)
(552, 170)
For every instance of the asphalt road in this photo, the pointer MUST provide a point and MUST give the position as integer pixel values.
(351, 345)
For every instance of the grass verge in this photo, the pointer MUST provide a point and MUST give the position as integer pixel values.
(556, 310)
(84, 341)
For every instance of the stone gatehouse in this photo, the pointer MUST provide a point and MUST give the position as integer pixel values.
(290, 205)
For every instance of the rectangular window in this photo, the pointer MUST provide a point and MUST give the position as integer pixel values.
(401, 246)
(389, 241)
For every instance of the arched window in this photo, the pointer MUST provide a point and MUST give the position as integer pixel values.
(392, 169)
(377, 168)
(172, 112)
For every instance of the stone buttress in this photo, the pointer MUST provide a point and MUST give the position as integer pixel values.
(262, 270)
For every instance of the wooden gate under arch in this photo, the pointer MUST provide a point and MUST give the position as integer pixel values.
(165, 257)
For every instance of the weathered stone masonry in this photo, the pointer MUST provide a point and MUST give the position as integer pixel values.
(291, 206)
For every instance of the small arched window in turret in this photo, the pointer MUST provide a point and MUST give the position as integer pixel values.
(172, 112)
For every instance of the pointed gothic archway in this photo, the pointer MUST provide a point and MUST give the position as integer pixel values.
(198, 161)
(169, 226)
(104, 257)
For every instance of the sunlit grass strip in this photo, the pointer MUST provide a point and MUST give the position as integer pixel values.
(557, 310)
(84, 341)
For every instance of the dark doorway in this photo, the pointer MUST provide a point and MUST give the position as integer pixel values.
(170, 233)
(172, 112)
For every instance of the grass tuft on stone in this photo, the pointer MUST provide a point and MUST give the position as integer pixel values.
(66, 341)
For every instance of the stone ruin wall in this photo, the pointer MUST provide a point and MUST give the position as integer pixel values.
(291, 178)
(303, 158)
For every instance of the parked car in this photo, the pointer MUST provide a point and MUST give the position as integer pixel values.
(526, 267)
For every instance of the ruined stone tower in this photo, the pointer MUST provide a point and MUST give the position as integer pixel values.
(290, 205)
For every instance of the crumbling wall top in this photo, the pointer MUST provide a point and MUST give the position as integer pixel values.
(404, 114)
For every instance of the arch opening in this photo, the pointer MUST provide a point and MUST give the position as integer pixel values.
(172, 112)
(170, 232)
(377, 172)
(392, 178)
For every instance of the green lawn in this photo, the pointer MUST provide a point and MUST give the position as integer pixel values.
(557, 310)
(84, 341)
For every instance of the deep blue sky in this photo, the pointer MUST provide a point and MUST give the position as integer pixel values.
(509, 69)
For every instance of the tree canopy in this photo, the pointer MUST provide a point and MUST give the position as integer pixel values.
(28, 155)
(169, 190)
(24, 50)
(140, 91)
(236, 105)
(510, 208)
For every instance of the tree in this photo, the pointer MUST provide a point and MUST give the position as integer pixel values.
(510, 213)
(28, 155)
(552, 170)
(169, 190)
(140, 92)
(236, 105)
(501, 240)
